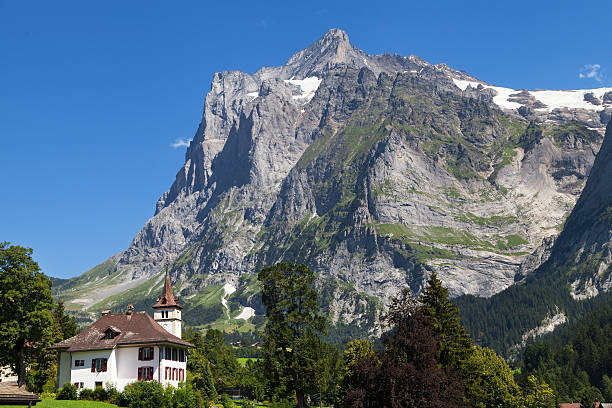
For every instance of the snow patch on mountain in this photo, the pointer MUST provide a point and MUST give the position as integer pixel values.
(246, 313)
(571, 99)
(308, 87)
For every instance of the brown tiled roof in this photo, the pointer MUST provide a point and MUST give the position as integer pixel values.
(168, 298)
(135, 328)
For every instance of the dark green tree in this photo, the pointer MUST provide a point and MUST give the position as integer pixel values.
(454, 344)
(26, 321)
(42, 368)
(291, 343)
(407, 374)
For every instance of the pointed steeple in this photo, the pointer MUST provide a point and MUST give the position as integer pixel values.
(167, 299)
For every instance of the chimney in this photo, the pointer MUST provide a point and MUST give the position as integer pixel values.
(105, 312)
(130, 309)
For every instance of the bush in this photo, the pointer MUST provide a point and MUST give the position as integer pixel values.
(112, 395)
(86, 394)
(99, 394)
(185, 397)
(47, 395)
(282, 404)
(145, 394)
(226, 401)
(67, 392)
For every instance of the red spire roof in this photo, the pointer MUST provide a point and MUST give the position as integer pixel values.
(167, 299)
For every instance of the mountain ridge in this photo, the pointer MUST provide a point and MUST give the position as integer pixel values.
(374, 170)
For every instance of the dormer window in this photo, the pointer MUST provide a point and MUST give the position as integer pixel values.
(110, 334)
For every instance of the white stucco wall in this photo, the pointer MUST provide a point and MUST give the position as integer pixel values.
(122, 367)
(128, 363)
(172, 364)
(173, 323)
(84, 374)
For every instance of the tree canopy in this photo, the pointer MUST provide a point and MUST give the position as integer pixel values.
(292, 348)
(26, 321)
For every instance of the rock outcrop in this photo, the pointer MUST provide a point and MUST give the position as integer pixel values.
(373, 170)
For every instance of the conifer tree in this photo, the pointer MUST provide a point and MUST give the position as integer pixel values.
(454, 344)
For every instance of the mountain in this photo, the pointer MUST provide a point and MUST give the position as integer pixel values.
(372, 169)
(573, 281)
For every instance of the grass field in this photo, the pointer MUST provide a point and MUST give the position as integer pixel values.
(243, 360)
(48, 403)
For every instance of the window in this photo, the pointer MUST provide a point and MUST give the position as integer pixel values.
(98, 384)
(174, 375)
(79, 363)
(174, 354)
(168, 353)
(166, 373)
(145, 373)
(98, 364)
(182, 355)
(145, 353)
(181, 374)
(78, 385)
(110, 334)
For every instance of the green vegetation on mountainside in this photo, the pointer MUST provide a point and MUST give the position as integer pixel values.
(577, 357)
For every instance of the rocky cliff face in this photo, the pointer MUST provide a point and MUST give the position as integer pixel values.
(583, 250)
(373, 170)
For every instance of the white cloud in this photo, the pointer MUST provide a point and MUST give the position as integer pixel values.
(593, 71)
(181, 143)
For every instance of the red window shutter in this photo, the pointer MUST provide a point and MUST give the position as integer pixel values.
(76, 385)
(150, 353)
(151, 373)
(140, 353)
(93, 365)
(139, 373)
(104, 363)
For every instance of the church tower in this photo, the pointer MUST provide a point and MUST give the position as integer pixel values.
(167, 310)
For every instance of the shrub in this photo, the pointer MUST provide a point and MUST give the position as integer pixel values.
(282, 404)
(86, 394)
(47, 395)
(112, 395)
(145, 394)
(67, 392)
(99, 394)
(226, 401)
(186, 397)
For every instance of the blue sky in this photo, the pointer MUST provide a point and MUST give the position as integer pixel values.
(94, 94)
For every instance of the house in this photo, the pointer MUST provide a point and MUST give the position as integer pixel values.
(122, 348)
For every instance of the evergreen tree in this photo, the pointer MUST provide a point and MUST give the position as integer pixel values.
(454, 344)
(291, 343)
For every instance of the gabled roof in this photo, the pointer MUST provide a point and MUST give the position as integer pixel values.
(135, 328)
(168, 299)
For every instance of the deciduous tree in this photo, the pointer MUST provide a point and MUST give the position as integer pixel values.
(26, 321)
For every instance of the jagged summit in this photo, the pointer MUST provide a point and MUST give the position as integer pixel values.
(372, 180)
(332, 48)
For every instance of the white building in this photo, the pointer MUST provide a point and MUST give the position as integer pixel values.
(127, 347)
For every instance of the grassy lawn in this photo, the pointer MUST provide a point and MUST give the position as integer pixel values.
(243, 360)
(48, 403)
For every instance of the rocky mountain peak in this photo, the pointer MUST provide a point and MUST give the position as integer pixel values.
(331, 49)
